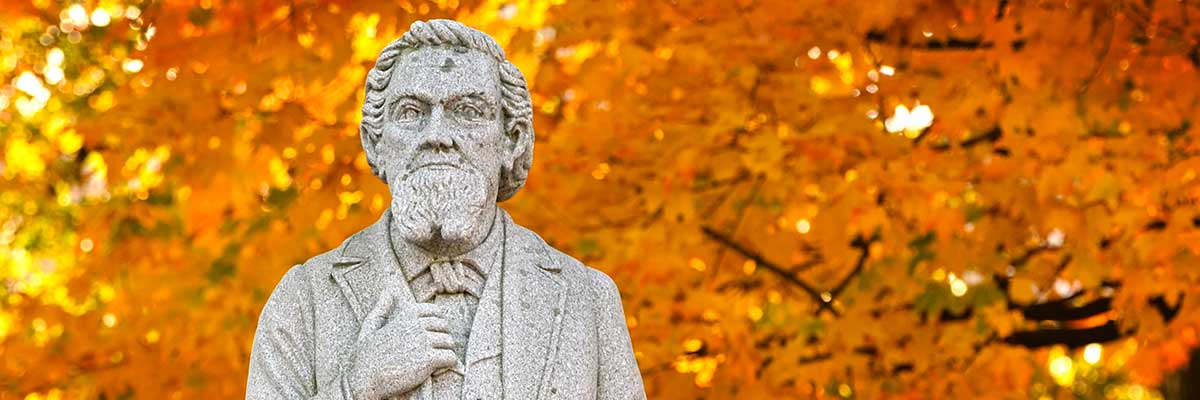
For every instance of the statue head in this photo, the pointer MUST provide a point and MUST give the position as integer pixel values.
(447, 124)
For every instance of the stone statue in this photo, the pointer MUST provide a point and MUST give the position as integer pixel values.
(444, 297)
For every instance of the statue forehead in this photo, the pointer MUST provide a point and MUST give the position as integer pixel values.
(445, 71)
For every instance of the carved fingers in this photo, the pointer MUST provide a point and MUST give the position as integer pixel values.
(438, 340)
(434, 324)
(442, 359)
(439, 345)
(435, 328)
(400, 347)
(428, 310)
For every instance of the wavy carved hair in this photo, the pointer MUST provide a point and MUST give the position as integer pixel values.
(516, 105)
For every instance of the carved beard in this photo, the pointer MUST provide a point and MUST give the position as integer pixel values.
(442, 209)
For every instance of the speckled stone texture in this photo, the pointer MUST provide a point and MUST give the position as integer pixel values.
(444, 297)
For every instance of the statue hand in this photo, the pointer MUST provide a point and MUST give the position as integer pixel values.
(396, 354)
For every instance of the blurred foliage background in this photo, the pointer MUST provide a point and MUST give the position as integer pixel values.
(797, 198)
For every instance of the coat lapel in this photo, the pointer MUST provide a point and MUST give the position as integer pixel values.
(365, 266)
(532, 299)
(483, 376)
(484, 342)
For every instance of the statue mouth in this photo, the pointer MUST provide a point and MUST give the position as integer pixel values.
(437, 165)
(436, 161)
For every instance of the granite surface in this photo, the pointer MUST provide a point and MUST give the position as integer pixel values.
(444, 297)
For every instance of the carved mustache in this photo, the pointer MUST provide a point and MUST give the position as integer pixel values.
(427, 159)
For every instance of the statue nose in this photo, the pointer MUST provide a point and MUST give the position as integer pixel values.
(439, 141)
(439, 137)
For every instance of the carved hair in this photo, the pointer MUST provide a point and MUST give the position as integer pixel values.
(516, 105)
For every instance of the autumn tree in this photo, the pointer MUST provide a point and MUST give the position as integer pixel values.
(903, 199)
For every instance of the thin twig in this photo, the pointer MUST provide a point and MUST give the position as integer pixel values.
(765, 264)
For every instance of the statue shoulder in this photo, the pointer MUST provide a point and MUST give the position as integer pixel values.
(316, 269)
(575, 272)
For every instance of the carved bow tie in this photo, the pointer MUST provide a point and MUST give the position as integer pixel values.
(455, 276)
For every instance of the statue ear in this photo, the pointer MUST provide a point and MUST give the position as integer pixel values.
(369, 143)
(519, 152)
(517, 133)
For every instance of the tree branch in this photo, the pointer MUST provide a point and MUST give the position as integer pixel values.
(991, 136)
(951, 43)
(864, 247)
(1057, 310)
(1070, 337)
(765, 264)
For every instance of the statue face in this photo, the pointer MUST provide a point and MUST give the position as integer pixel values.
(442, 146)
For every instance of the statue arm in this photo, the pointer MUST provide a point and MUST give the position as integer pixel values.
(283, 355)
(619, 376)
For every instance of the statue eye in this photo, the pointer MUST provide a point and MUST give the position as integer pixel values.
(409, 112)
(469, 112)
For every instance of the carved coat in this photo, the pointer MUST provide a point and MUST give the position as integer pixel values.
(564, 333)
